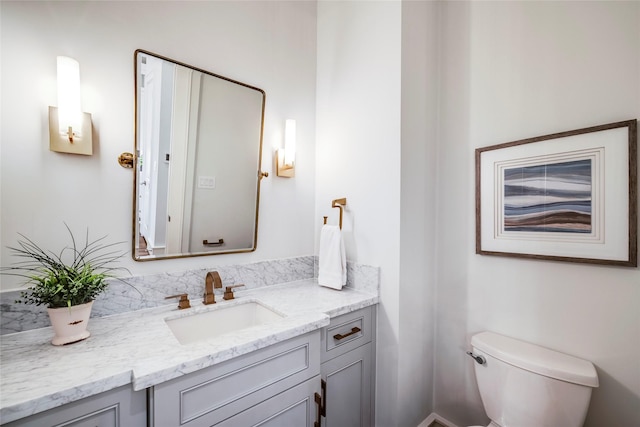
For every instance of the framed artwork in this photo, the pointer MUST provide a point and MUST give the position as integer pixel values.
(569, 196)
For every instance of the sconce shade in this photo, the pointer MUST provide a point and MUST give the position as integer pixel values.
(69, 110)
(286, 157)
(69, 128)
(289, 142)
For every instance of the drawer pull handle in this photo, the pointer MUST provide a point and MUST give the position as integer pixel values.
(323, 406)
(321, 401)
(220, 242)
(354, 330)
(318, 400)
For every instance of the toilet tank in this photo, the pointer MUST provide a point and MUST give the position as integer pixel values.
(525, 385)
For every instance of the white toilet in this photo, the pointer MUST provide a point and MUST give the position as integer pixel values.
(525, 385)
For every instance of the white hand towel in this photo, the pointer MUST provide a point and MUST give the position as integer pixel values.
(332, 271)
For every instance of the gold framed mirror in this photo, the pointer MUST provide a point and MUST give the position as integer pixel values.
(197, 162)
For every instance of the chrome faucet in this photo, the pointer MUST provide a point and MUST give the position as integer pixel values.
(211, 282)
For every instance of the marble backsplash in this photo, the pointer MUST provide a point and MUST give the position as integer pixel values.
(139, 292)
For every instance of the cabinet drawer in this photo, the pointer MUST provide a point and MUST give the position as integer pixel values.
(119, 407)
(293, 407)
(208, 396)
(347, 332)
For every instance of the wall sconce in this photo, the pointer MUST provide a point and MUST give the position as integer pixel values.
(69, 128)
(286, 158)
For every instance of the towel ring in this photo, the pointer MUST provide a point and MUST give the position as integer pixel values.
(338, 203)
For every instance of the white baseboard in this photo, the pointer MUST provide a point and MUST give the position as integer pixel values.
(435, 417)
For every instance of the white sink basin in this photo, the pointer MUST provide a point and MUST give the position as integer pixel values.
(220, 320)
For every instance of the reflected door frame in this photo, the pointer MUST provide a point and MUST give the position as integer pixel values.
(180, 181)
(148, 122)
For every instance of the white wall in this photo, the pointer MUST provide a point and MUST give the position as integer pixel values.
(358, 156)
(512, 70)
(418, 257)
(270, 45)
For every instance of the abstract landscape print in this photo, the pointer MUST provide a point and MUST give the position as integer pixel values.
(549, 198)
(568, 196)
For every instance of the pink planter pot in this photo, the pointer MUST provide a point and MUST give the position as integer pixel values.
(70, 323)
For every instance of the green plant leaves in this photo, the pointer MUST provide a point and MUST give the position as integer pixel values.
(75, 276)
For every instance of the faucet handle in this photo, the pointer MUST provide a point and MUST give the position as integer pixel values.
(184, 300)
(228, 292)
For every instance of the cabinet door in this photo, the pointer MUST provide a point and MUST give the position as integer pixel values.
(348, 398)
(294, 407)
(116, 408)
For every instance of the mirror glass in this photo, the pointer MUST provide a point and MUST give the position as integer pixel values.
(197, 164)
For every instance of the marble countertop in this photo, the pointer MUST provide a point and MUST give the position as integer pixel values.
(138, 347)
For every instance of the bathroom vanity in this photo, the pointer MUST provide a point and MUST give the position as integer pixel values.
(313, 364)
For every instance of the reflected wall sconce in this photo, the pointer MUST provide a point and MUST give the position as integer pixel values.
(69, 128)
(286, 157)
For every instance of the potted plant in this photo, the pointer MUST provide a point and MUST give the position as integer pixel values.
(67, 282)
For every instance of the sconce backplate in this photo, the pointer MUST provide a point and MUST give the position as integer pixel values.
(82, 143)
(282, 170)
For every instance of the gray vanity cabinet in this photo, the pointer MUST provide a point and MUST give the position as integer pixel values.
(272, 386)
(290, 383)
(347, 369)
(115, 408)
(295, 407)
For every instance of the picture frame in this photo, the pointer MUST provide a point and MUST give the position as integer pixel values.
(568, 196)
